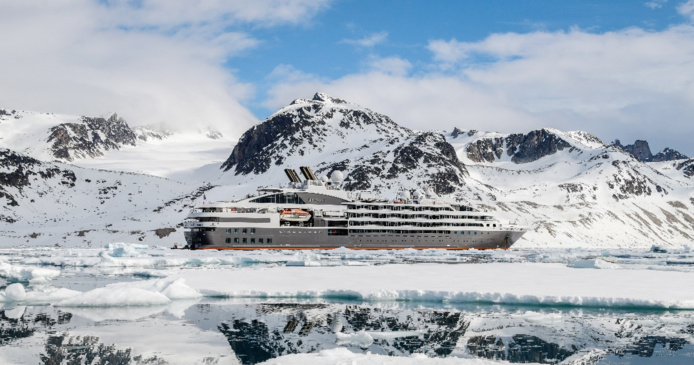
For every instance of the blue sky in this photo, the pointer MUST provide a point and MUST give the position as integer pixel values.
(618, 69)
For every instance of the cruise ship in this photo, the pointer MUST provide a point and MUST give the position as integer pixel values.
(318, 214)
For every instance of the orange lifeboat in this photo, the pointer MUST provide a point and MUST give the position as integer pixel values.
(295, 215)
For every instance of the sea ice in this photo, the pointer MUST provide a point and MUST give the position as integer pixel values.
(122, 249)
(343, 356)
(501, 283)
(34, 276)
(593, 264)
(15, 293)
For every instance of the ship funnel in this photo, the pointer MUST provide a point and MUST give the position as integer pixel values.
(308, 174)
(291, 174)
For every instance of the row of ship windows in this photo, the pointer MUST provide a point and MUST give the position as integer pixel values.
(395, 231)
(245, 240)
(417, 216)
(242, 230)
(415, 208)
(417, 224)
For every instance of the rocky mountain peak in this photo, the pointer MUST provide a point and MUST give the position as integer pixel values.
(642, 152)
(90, 138)
(520, 147)
(332, 134)
(327, 98)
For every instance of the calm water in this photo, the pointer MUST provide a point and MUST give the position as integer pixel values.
(212, 331)
(248, 331)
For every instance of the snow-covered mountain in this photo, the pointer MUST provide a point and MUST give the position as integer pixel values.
(49, 203)
(570, 188)
(573, 189)
(330, 134)
(109, 142)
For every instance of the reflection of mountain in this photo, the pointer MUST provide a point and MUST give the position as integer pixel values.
(521, 349)
(260, 332)
(15, 324)
(282, 329)
(61, 347)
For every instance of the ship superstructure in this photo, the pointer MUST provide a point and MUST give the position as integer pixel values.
(317, 214)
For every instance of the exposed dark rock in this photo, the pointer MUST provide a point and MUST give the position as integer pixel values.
(522, 148)
(687, 167)
(629, 183)
(90, 138)
(312, 126)
(18, 170)
(486, 150)
(164, 232)
(642, 152)
(668, 154)
(534, 145)
(456, 132)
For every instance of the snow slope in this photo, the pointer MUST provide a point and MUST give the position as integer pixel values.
(569, 188)
(152, 150)
(584, 194)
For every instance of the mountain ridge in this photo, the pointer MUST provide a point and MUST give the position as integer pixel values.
(569, 188)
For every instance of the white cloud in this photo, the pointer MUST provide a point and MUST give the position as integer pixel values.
(390, 65)
(368, 41)
(687, 9)
(628, 84)
(151, 61)
(172, 13)
(655, 4)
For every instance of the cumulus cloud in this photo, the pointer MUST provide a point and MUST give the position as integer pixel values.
(368, 41)
(627, 84)
(390, 65)
(152, 61)
(687, 9)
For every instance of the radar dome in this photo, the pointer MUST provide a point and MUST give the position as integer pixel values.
(406, 194)
(417, 194)
(336, 176)
(324, 179)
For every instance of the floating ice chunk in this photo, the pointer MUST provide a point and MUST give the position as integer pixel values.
(16, 312)
(179, 290)
(361, 339)
(50, 295)
(593, 264)
(99, 314)
(141, 293)
(15, 293)
(34, 276)
(122, 249)
(303, 263)
(341, 355)
(116, 297)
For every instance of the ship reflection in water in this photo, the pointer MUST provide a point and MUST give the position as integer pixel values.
(256, 332)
